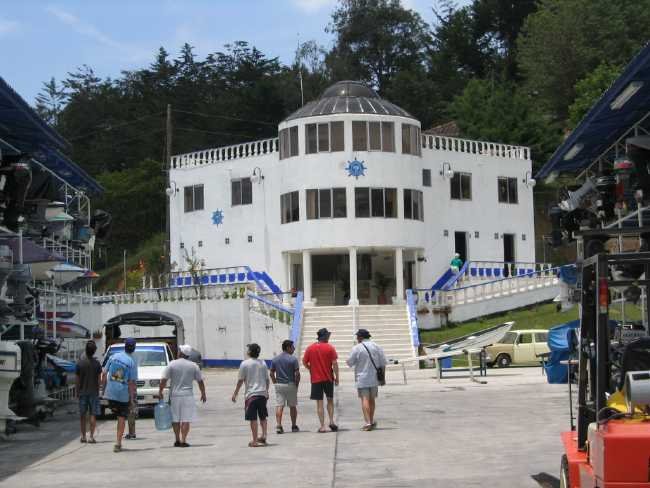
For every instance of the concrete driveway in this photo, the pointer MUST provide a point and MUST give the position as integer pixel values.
(451, 434)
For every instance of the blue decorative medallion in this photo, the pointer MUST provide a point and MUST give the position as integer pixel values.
(356, 168)
(217, 217)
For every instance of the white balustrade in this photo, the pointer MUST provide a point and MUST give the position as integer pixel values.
(227, 153)
(444, 143)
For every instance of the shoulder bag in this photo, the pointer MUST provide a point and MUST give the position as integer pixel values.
(381, 372)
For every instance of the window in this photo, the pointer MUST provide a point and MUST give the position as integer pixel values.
(288, 142)
(326, 203)
(541, 337)
(426, 177)
(413, 205)
(193, 198)
(411, 140)
(241, 192)
(359, 136)
(375, 202)
(461, 186)
(509, 338)
(373, 136)
(388, 137)
(507, 189)
(311, 137)
(289, 207)
(250, 238)
(525, 338)
(337, 136)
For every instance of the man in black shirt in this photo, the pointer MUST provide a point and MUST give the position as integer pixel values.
(88, 372)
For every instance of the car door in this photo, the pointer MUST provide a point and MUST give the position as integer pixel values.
(525, 348)
(541, 343)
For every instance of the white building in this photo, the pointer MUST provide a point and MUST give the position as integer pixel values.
(351, 183)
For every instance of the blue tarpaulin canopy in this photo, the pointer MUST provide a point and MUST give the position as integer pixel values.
(622, 106)
(22, 130)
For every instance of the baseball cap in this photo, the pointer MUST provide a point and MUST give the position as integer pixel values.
(322, 333)
(130, 342)
(363, 333)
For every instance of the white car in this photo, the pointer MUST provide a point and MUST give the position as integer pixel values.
(152, 358)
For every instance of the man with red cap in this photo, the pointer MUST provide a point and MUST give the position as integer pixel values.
(320, 359)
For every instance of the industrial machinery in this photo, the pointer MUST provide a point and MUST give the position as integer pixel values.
(610, 446)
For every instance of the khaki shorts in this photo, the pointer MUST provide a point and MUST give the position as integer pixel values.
(286, 394)
(371, 392)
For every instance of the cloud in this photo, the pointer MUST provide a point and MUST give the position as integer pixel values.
(311, 6)
(8, 27)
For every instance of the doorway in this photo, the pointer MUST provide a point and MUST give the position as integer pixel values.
(509, 256)
(461, 245)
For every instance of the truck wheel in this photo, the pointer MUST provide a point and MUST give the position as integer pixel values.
(565, 482)
(503, 360)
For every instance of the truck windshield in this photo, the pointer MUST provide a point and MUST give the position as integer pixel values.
(509, 338)
(143, 355)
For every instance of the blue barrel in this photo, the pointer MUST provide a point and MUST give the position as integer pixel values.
(445, 363)
(163, 416)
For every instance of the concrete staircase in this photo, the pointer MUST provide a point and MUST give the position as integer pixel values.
(388, 325)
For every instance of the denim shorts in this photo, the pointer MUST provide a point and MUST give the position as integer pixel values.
(89, 404)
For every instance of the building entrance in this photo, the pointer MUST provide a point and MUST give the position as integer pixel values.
(331, 279)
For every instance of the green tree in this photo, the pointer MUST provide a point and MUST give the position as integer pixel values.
(590, 89)
(567, 39)
(375, 40)
(492, 111)
(50, 102)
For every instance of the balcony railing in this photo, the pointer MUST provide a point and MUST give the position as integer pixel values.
(71, 253)
(481, 148)
(227, 153)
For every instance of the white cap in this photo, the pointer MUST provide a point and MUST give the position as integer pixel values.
(185, 349)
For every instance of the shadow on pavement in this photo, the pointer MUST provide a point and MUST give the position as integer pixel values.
(545, 480)
(31, 444)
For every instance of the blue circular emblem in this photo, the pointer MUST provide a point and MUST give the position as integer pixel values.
(356, 168)
(217, 217)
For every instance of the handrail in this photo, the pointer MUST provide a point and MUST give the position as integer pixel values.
(296, 323)
(413, 319)
(270, 303)
(546, 273)
(457, 276)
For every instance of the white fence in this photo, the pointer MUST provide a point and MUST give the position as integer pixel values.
(228, 153)
(443, 143)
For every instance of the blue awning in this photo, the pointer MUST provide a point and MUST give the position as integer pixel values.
(623, 105)
(22, 129)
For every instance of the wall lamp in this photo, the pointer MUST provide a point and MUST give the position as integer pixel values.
(528, 180)
(446, 171)
(172, 190)
(257, 176)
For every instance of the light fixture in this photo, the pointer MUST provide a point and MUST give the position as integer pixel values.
(573, 152)
(446, 171)
(257, 176)
(626, 94)
(172, 189)
(528, 180)
(551, 177)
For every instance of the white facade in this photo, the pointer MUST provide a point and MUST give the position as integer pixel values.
(414, 253)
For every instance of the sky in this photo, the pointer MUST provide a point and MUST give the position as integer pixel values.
(41, 39)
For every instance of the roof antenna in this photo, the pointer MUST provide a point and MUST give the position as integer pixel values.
(302, 93)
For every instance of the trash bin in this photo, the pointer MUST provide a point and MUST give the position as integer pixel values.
(445, 363)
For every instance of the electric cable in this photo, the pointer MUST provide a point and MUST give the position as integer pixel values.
(111, 127)
(226, 117)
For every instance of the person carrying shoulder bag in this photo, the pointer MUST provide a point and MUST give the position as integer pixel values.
(369, 364)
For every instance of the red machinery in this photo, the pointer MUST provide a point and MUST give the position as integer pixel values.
(611, 446)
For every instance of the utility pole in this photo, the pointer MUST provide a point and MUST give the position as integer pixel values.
(168, 165)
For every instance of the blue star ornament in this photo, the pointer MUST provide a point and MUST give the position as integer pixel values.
(356, 168)
(217, 217)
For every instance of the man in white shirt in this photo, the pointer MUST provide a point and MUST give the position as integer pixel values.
(255, 375)
(366, 358)
(182, 373)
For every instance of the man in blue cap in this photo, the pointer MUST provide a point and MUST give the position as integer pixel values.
(118, 379)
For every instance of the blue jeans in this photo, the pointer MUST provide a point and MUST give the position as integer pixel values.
(89, 404)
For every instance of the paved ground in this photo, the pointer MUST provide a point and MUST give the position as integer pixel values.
(452, 434)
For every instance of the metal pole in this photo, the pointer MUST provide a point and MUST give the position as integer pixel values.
(124, 267)
(168, 165)
(53, 311)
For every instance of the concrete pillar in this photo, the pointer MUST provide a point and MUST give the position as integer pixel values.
(245, 327)
(306, 277)
(399, 275)
(354, 295)
(287, 276)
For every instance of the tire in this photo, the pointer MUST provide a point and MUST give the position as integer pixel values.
(490, 365)
(565, 481)
(503, 360)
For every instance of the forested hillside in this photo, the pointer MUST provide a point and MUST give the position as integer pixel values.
(521, 72)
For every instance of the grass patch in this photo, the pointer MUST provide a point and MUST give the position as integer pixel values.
(542, 316)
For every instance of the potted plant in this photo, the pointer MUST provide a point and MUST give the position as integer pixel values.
(382, 283)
